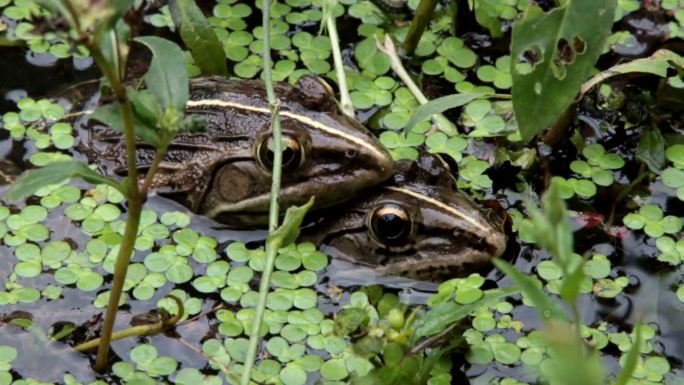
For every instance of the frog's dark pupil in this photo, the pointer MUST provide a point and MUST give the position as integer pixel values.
(391, 226)
(288, 155)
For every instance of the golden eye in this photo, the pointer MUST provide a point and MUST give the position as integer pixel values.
(391, 224)
(293, 153)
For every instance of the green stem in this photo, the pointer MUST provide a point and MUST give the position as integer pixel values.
(345, 98)
(420, 21)
(141, 330)
(272, 247)
(626, 191)
(135, 202)
(158, 157)
(389, 49)
(120, 268)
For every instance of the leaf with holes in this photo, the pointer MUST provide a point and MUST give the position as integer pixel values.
(552, 55)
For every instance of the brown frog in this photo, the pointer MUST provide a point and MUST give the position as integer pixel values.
(418, 225)
(225, 172)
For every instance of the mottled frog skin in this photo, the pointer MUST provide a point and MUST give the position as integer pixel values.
(225, 172)
(417, 225)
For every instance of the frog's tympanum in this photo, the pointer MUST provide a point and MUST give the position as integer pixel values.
(225, 172)
(418, 226)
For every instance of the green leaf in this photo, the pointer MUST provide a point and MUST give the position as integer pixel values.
(571, 285)
(673, 177)
(445, 313)
(167, 77)
(651, 150)
(442, 104)
(52, 173)
(676, 155)
(199, 37)
(630, 365)
(110, 114)
(289, 229)
(547, 307)
(656, 64)
(562, 46)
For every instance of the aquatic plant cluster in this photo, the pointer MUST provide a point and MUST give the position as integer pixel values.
(608, 175)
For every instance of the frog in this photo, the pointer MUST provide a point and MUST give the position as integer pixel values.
(416, 225)
(224, 172)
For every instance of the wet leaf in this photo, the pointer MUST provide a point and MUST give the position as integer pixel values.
(199, 37)
(443, 314)
(546, 307)
(167, 77)
(656, 64)
(289, 230)
(440, 105)
(55, 172)
(552, 54)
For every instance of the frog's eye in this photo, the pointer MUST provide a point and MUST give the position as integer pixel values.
(390, 224)
(293, 154)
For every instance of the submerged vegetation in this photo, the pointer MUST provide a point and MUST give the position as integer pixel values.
(564, 118)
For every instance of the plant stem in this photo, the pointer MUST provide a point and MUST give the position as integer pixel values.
(229, 374)
(389, 49)
(135, 202)
(420, 21)
(120, 268)
(158, 157)
(626, 191)
(271, 247)
(141, 330)
(345, 99)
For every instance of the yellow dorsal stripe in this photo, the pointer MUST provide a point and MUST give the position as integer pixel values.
(300, 118)
(441, 205)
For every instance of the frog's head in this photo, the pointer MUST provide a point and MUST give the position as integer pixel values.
(325, 154)
(419, 226)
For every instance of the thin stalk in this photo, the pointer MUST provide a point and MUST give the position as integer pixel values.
(578, 319)
(345, 98)
(271, 249)
(390, 50)
(135, 201)
(626, 191)
(120, 268)
(141, 330)
(421, 19)
(229, 374)
(152, 171)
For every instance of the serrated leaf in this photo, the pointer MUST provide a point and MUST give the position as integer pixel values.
(562, 46)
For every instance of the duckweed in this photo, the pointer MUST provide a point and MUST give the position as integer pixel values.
(170, 252)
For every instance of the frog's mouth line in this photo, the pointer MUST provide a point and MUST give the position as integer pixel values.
(358, 181)
(423, 265)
